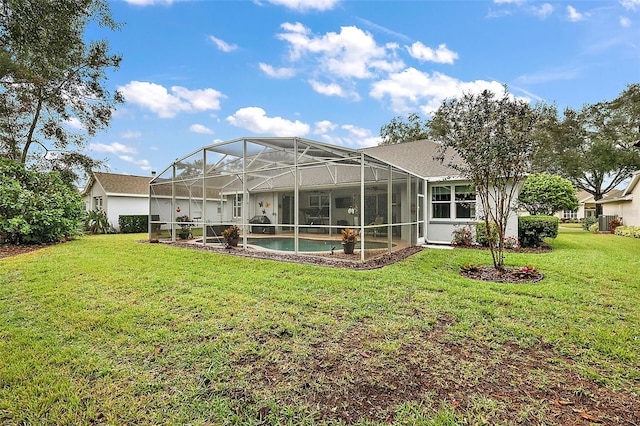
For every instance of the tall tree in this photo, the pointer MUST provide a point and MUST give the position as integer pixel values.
(594, 147)
(496, 136)
(545, 194)
(398, 130)
(52, 81)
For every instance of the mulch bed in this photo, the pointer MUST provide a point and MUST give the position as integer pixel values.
(508, 275)
(337, 260)
(8, 250)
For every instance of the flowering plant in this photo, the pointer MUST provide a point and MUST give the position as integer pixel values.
(349, 235)
(525, 271)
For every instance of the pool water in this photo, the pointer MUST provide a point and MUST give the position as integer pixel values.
(306, 244)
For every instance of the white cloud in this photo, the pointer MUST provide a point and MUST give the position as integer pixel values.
(544, 10)
(574, 15)
(323, 127)
(360, 137)
(130, 134)
(630, 4)
(223, 45)
(306, 5)
(74, 123)
(329, 89)
(424, 53)
(143, 164)
(255, 119)
(352, 53)
(550, 75)
(149, 2)
(277, 72)
(157, 99)
(412, 89)
(625, 22)
(113, 148)
(382, 29)
(199, 128)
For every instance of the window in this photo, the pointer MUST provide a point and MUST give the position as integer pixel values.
(461, 206)
(570, 214)
(97, 203)
(465, 202)
(237, 205)
(441, 201)
(318, 201)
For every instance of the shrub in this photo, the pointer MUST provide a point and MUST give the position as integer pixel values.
(481, 233)
(97, 222)
(511, 243)
(532, 230)
(588, 221)
(594, 227)
(133, 223)
(628, 231)
(613, 224)
(462, 237)
(36, 207)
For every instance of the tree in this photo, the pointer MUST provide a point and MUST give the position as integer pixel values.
(594, 147)
(50, 77)
(36, 207)
(545, 194)
(398, 130)
(495, 135)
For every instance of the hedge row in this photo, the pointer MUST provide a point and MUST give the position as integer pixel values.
(134, 223)
(532, 230)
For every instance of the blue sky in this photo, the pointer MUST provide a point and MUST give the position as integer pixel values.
(197, 72)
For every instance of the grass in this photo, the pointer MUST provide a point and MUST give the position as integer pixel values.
(105, 330)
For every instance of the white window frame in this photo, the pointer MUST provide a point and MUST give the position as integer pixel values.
(237, 205)
(455, 199)
(98, 203)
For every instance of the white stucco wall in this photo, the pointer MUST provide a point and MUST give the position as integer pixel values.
(439, 231)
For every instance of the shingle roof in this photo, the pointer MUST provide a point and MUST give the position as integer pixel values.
(122, 184)
(419, 157)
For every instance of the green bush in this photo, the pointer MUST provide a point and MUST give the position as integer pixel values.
(36, 207)
(628, 231)
(462, 237)
(532, 230)
(481, 233)
(97, 222)
(133, 223)
(588, 221)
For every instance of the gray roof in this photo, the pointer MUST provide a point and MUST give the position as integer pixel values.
(419, 157)
(120, 184)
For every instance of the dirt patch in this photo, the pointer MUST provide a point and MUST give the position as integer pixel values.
(8, 250)
(345, 378)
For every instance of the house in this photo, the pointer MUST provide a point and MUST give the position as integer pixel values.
(393, 195)
(117, 195)
(625, 204)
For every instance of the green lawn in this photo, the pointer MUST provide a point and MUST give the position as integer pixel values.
(106, 330)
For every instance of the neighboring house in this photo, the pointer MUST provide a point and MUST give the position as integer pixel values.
(586, 208)
(399, 194)
(625, 204)
(117, 195)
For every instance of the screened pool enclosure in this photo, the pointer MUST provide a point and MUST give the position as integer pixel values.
(287, 189)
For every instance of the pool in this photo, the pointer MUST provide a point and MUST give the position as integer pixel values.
(304, 244)
(307, 244)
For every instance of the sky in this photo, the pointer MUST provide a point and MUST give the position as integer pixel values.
(199, 72)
